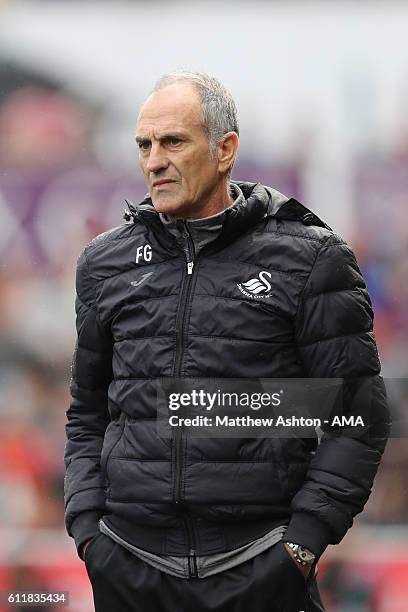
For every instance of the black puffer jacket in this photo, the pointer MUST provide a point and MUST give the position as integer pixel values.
(317, 322)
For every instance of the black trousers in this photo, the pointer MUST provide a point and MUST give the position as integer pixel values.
(270, 582)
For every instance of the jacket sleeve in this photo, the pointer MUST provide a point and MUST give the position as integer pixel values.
(334, 333)
(87, 415)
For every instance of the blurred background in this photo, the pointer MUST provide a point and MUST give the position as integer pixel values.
(322, 92)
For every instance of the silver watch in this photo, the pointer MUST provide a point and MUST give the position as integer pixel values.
(302, 555)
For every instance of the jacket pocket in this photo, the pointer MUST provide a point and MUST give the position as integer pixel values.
(113, 434)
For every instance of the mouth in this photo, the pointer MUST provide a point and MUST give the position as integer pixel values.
(162, 182)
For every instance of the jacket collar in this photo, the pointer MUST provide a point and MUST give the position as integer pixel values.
(259, 202)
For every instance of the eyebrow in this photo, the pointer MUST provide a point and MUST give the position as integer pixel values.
(165, 136)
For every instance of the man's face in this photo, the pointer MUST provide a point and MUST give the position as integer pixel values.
(174, 153)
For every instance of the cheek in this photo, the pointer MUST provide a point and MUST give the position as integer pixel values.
(142, 166)
(200, 167)
(196, 171)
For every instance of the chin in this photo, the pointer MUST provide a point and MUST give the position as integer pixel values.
(168, 207)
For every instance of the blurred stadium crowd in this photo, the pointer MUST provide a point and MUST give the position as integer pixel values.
(54, 197)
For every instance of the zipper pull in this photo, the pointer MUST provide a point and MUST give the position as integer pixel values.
(193, 565)
(131, 213)
(190, 265)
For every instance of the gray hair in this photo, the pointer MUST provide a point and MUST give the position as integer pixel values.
(218, 110)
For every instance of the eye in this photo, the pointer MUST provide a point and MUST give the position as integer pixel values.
(144, 145)
(173, 140)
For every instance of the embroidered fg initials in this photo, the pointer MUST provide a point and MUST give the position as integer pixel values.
(144, 252)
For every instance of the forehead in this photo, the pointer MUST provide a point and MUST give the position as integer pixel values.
(176, 106)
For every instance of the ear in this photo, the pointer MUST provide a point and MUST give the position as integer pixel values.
(226, 151)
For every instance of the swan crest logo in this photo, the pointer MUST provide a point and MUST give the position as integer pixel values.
(257, 288)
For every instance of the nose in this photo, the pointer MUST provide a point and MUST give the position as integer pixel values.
(156, 160)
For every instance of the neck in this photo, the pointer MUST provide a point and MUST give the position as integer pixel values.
(215, 203)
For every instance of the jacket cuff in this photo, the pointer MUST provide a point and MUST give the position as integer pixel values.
(307, 530)
(84, 527)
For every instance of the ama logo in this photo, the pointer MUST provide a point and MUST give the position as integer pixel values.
(257, 288)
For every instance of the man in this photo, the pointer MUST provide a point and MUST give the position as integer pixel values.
(231, 524)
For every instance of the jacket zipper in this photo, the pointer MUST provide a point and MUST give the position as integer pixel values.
(180, 330)
(185, 294)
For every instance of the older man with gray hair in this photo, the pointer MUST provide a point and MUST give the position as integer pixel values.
(212, 278)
